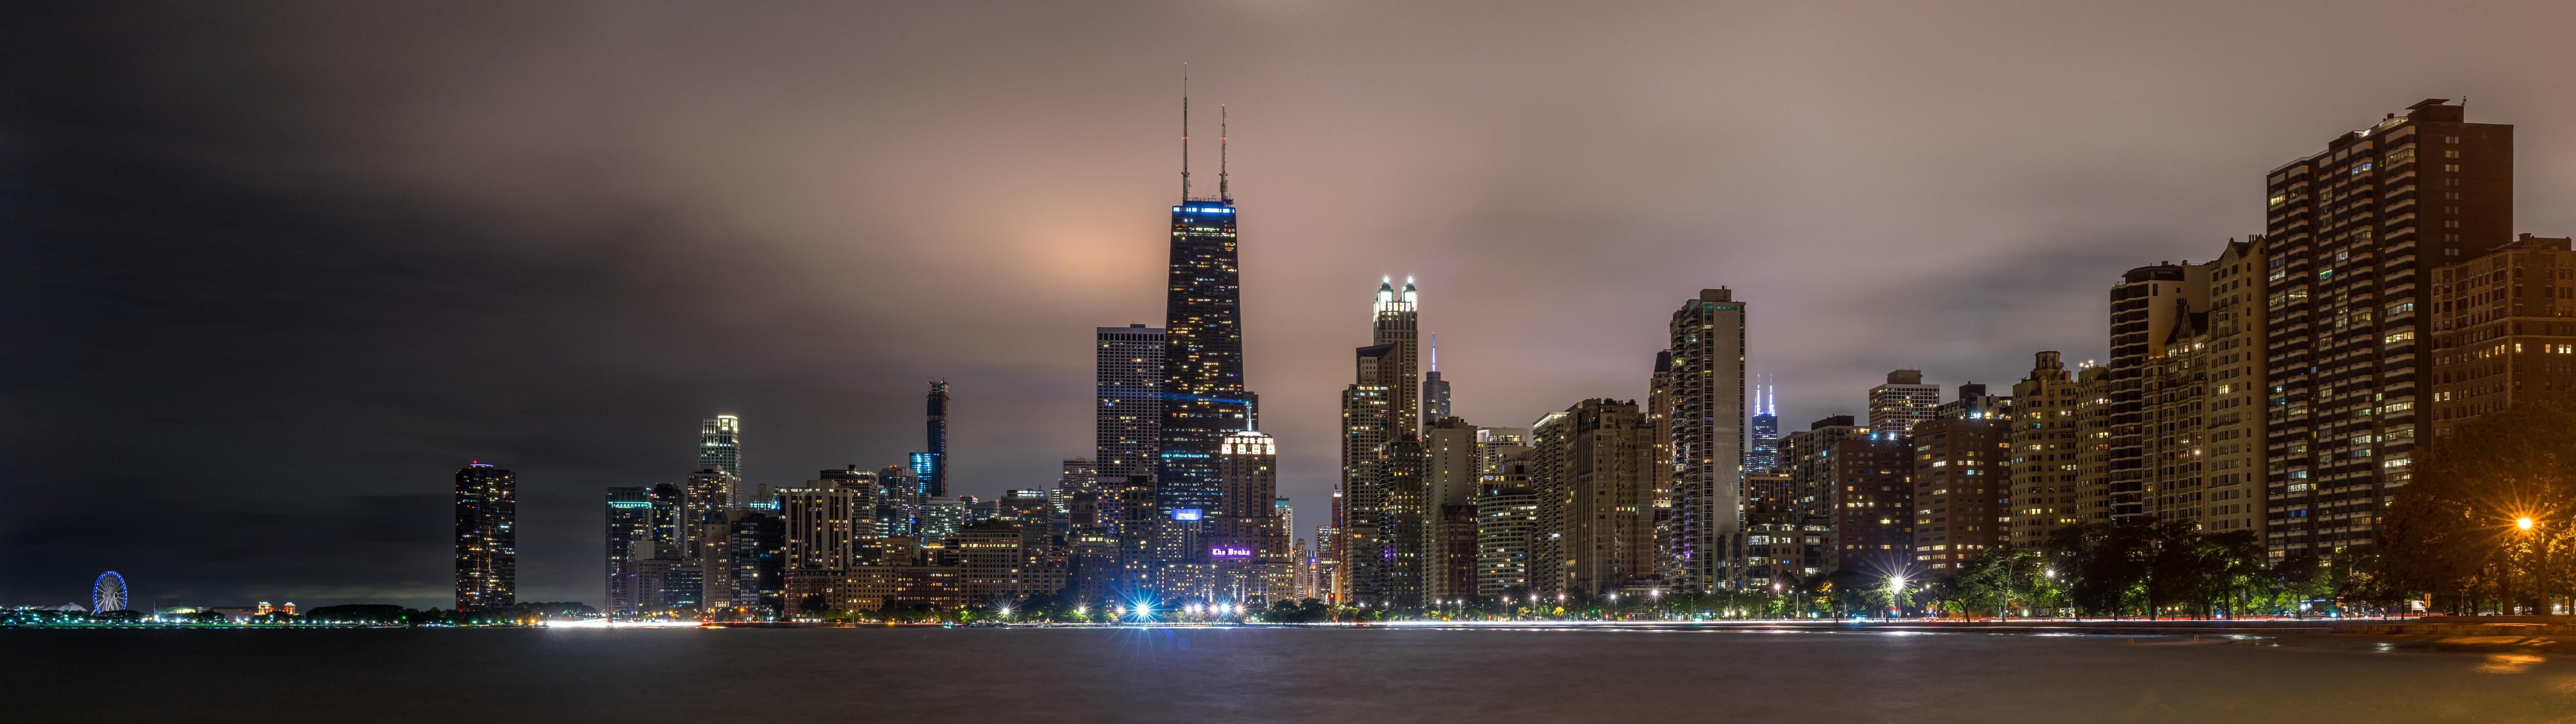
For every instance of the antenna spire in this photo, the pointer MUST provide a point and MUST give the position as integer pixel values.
(1185, 131)
(1435, 351)
(1221, 193)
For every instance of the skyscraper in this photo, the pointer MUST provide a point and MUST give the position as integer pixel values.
(630, 534)
(1367, 421)
(1435, 391)
(487, 539)
(1127, 377)
(2239, 298)
(2355, 233)
(1659, 417)
(1707, 337)
(1203, 396)
(2146, 307)
(720, 443)
(1904, 400)
(1764, 454)
(934, 476)
(1395, 318)
(1506, 517)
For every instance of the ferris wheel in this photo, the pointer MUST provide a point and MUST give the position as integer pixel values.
(108, 595)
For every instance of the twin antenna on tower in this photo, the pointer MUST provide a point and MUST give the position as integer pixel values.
(1222, 192)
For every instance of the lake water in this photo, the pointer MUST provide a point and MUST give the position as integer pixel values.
(1320, 675)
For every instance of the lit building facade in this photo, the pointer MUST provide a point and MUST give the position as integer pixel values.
(720, 443)
(1451, 478)
(630, 540)
(1204, 397)
(487, 538)
(2354, 234)
(1506, 518)
(2146, 307)
(2239, 386)
(2045, 471)
(1591, 469)
(1962, 490)
(1708, 416)
(1902, 402)
(2504, 331)
(1860, 480)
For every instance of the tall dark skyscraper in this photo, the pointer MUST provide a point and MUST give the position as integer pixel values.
(1204, 398)
(934, 477)
(630, 530)
(487, 538)
(1764, 454)
(1127, 418)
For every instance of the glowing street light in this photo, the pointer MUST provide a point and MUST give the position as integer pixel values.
(2529, 525)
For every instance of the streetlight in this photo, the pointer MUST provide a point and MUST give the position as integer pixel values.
(1895, 591)
(2531, 526)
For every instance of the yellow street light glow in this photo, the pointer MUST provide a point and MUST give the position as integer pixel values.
(2523, 522)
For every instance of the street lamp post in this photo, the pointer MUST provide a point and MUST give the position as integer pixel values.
(2540, 541)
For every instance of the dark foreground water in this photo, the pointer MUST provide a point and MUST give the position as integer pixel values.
(1325, 676)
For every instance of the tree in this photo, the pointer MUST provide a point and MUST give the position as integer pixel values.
(2453, 528)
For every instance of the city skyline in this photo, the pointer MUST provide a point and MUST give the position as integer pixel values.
(369, 445)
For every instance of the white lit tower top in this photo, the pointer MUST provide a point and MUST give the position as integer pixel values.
(1395, 321)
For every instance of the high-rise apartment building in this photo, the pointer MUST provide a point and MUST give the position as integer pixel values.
(2501, 331)
(1140, 523)
(2233, 449)
(934, 476)
(1860, 480)
(1592, 469)
(2174, 397)
(1659, 422)
(1128, 382)
(1403, 523)
(720, 443)
(1708, 416)
(1246, 543)
(822, 526)
(1452, 478)
(1783, 543)
(2146, 307)
(2354, 232)
(1962, 490)
(630, 541)
(1506, 517)
(487, 538)
(1904, 400)
(2045, 470)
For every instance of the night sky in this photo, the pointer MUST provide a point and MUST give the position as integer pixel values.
(270, 274)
